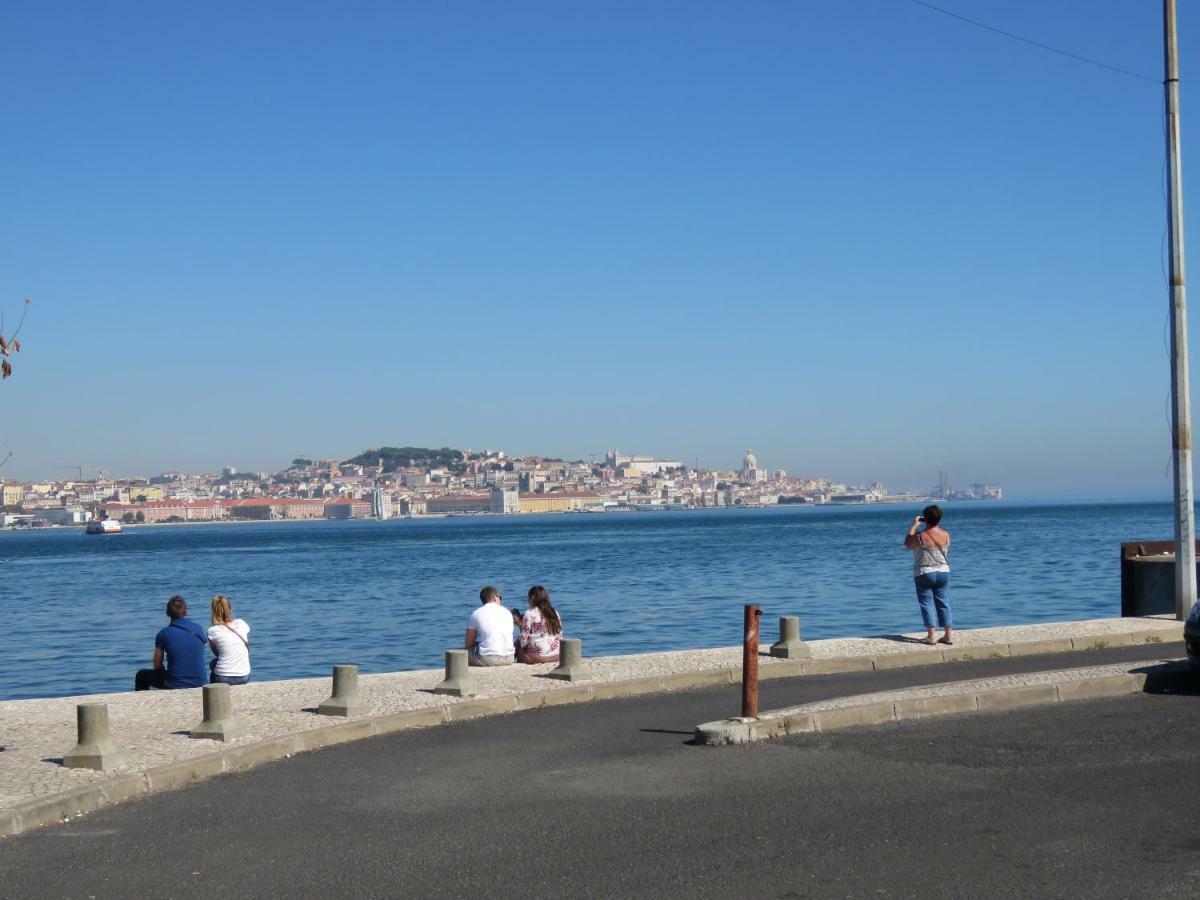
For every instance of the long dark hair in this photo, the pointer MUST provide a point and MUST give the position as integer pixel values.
(541, 599)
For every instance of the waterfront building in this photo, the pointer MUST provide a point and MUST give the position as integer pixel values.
(347, 508)
(265, 508)
(854, 497)
(505, 502)
(449, 504)
(59, 515)
(151, 510)
(559, 501)
(204, 510)
(413, 506)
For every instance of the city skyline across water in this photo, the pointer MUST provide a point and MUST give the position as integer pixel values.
(944, 482)
(387, 481)
(81, 612)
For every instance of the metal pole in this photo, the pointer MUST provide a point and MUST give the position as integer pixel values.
(1181, 417)
(750, 661)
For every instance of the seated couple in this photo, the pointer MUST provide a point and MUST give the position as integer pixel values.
(179, 649)
(490, 630)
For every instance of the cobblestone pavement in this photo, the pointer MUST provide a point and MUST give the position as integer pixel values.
(152, 727)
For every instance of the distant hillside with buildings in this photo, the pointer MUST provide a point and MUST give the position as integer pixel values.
(386, 482)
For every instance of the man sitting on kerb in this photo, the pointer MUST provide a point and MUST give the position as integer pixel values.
(178, 653)
(490, 632)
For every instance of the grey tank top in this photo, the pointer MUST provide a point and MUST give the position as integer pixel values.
(930, 557)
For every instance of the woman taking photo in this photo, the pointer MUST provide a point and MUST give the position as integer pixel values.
(930, 545)
(230, 641)
(541, 629)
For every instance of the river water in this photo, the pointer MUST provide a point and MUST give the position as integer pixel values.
(80, 612)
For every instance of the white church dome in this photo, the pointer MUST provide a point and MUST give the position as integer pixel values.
(749, 462)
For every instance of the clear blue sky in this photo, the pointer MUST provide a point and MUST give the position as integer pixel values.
(864, 239)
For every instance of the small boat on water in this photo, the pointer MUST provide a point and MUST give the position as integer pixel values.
(103, 526)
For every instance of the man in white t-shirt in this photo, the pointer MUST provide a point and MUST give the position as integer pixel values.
(490, 632)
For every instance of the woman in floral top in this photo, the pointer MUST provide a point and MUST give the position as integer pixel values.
(541, 629)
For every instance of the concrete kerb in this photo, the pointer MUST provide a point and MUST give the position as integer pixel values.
(927, 707)
(43, 811)
(389, 723)
(473, 709)
(1037, 648)
(185, 771)
(853, 716)
(1159, 636)
(262, 751)
(1100, 642)
(537, 700)
(837, 665)
(1112, 686)
(775, 724)
(971, 654)
(903, 660)
(57, 808)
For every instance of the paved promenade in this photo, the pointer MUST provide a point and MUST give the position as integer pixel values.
(279, 718)
(1081, 799)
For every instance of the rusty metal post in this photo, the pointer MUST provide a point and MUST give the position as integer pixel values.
(750, 661)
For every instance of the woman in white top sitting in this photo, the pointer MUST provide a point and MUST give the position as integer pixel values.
(229, 639)
(541, 629)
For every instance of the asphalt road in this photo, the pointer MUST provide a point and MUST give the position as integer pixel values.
(1086, 799)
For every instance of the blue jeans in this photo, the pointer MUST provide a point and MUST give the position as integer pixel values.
(933, 592)
(228, 679)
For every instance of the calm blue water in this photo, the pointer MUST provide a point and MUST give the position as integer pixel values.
(79, 612)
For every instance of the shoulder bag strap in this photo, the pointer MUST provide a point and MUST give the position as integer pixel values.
(235, 633)
(202, 638)
(942, 549)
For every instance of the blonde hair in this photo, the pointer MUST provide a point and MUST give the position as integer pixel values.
(222, 611)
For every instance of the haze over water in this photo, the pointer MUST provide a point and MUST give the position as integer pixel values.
(80, 613)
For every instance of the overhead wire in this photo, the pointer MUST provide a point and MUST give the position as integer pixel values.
(1024, 40)
(1102, 65)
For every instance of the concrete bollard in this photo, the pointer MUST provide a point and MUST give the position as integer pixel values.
(459, 682)
(94, 749)
(344, 699)
(219, 723)
(570, 661)
(789, 645)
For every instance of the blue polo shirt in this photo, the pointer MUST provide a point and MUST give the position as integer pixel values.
(183, 640)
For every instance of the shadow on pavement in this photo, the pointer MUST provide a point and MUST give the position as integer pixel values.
(1170, 678)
